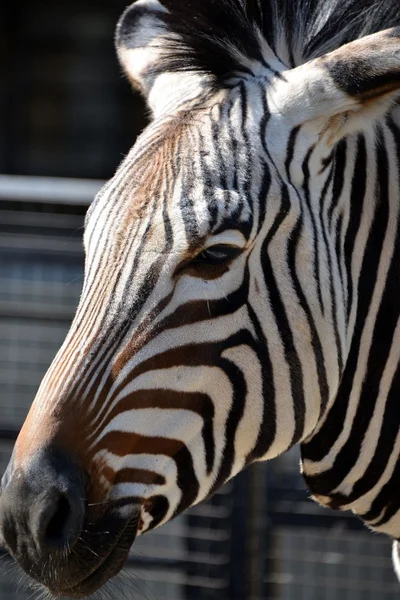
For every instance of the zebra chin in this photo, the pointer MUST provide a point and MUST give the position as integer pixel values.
(56, 530)
(98, 555)
(102, 548)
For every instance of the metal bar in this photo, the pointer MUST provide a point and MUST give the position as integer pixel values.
(258, 531)
(239, 538)
(35, 243)
(33, 220)
(8, 435)
(44, 312)
(49, 190)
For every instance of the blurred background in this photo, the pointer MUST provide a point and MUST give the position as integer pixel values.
(67, 119)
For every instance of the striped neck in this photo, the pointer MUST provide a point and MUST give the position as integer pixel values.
(351, 460)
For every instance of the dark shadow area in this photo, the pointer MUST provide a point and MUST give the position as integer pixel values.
(66, 109)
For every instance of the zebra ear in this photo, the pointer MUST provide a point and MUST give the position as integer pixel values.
(143, 44)
(348, 88)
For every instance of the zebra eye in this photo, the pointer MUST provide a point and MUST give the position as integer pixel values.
(217, 255)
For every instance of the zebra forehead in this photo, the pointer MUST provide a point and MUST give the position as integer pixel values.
(154, 165)
(175, 168)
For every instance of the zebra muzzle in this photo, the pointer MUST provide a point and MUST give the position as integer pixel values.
(54, 534)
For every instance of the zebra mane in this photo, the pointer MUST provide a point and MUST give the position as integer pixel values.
(210, 36)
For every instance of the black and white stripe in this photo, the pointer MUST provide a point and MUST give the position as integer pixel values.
(242, 273)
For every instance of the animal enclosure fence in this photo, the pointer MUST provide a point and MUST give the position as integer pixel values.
(259, 538)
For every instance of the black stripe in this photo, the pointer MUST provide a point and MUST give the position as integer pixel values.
(314, 230)
(315, 340)
(283, 322)
(357, 196)
(320, 444)
(290, 150)
(339, 168)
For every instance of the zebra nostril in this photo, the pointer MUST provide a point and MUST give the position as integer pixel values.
(56, 530)
(59, 520)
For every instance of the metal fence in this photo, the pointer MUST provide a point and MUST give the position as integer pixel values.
(259, 538)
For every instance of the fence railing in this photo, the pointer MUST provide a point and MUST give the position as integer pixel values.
(49, 190)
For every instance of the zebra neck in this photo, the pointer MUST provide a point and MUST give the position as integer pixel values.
(351, 461)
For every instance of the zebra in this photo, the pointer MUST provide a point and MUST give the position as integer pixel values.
(241, 289)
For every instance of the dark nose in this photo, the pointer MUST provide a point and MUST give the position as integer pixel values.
(42, 506)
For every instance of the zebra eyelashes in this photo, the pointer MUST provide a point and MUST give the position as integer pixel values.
(215, 257)
(211, 262)
(220, 254)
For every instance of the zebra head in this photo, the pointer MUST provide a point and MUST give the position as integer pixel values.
(233, 267)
